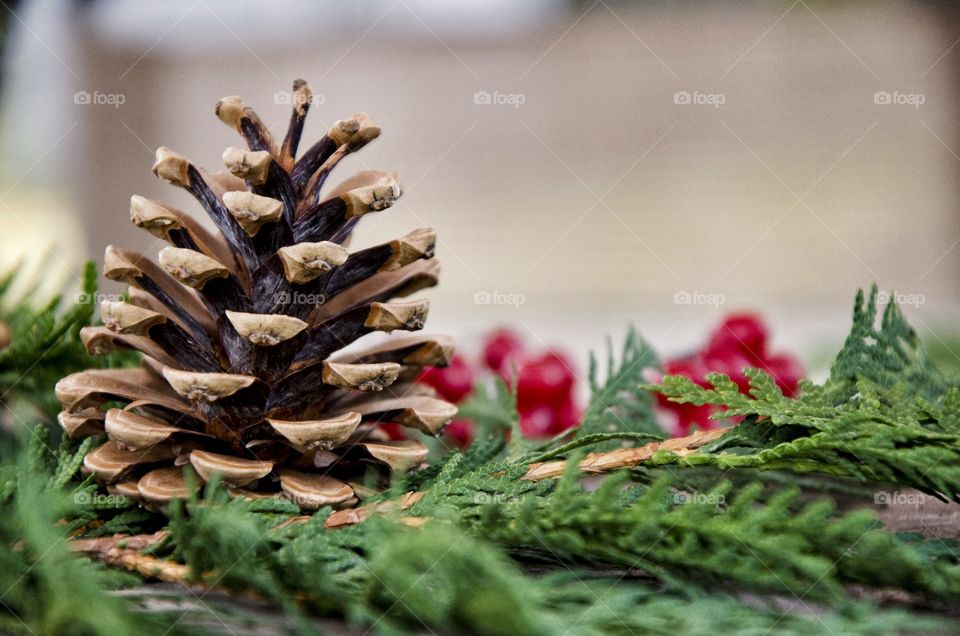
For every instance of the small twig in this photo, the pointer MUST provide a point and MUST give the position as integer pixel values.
(6, 336)
(87, 527)
(596, 463)
(353, 516)
(123, 550)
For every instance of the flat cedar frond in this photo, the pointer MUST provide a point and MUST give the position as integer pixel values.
(884, 415)
(475, 515)
(41, 343)
(483, 450)
(779, 545)
(493, 408)
(45, 591)
(617, 404)
(887, 355)
(449, 578)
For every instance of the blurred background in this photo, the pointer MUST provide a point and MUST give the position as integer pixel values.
(587, 164)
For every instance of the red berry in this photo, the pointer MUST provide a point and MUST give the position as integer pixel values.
(738, 343)
(566, 416)
(786, 371)
(687, 416)
(538, 422)
(503, 350)
(544, 380)
(680, 419)
(732, 363)
(692, 367)
(393, 431)
(460, 432)
(690, 416)
(453, 382)
(743, 333)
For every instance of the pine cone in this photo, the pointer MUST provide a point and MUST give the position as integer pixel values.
(237, 328)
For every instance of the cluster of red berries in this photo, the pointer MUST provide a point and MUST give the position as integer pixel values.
(545, 386)
(546, 383)
(740, 341)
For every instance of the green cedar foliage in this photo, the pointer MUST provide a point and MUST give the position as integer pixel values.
(667, 549)
(45, 347)
(446, 578)
(43, 588)
(885, 414)
(615, 403)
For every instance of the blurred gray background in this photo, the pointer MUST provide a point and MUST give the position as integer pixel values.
(586, 164)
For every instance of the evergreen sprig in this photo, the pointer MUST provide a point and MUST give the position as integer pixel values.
(618, 404)
(885, 414)
(721, 537)
(445, 577)
(43, 589)
(889, 355)
(45, 345)
(666, 548)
